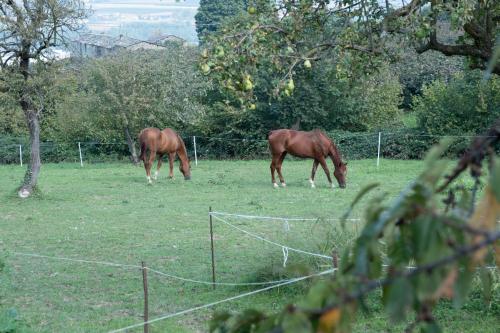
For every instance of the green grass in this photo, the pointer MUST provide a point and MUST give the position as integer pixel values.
(107, 212)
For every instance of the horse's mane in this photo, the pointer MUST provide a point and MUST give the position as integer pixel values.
(337, 157)
(183, 146)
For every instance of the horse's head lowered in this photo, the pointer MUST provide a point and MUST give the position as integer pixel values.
(185, 168)
(340, 174)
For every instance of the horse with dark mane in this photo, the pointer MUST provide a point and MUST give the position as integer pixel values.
(315, 144)
(159, 143)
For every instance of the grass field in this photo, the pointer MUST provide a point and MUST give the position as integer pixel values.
(107, 212)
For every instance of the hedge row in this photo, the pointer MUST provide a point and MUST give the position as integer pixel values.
(409, 144)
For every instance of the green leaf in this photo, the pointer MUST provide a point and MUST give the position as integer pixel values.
(218, 321)
(487, 283)
(463, 283)
(358, 197)
(397, 297)
(316, 296)
(247, 320)
(495, 178)
(437, 151)
(296, 322)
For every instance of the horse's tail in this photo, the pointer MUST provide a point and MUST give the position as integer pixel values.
(142, 143)
(143, 151)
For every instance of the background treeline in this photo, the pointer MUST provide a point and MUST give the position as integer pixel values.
(107, 101)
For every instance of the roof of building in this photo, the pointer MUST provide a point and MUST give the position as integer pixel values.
(109, 42)
(106, 41)
(158, 39)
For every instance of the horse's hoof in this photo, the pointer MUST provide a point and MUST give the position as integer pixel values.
(275, 185)
(312, 183)
(283, 184)
(313, 186)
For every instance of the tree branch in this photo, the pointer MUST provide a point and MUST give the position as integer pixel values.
(375, 284)
(475, 154)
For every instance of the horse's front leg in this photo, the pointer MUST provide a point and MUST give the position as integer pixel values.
(158, 166)
(171, 159)
(322, 161)
(313, 173)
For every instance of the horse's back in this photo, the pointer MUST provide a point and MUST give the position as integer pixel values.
(149, 133)
(299, 143)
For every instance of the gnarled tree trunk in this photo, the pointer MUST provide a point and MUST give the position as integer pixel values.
(131, 146)
(31, 176)
(33, 122)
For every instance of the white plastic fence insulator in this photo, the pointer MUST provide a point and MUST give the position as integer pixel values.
(378, 150)
(80, 151)
(195, 154)
(285, 255)
(21, 154)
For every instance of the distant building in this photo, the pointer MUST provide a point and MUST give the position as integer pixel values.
(100, 45)
(164, 39)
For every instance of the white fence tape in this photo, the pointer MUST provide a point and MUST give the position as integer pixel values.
(221, 301)
(175, 277)
(269, 241)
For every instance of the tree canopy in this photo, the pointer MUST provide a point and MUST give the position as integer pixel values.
(359, 35)
(212, 13)
(28, 31)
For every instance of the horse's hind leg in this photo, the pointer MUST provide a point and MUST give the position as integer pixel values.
(322, 161)
(273, 168)
(171, 159)
(158, 166)
(278, 167)
(313, 173)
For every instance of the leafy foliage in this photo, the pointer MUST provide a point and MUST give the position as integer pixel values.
(287, 35)
(464, 105)
(211, 13)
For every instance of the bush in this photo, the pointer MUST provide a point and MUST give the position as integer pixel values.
(463, 106)
(408, 144)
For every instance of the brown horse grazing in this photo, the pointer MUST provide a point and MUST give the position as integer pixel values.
(314, 144)
(160, 143)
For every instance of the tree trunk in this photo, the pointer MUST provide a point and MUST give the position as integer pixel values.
(31, 176)
(131, 146)
(33, 121)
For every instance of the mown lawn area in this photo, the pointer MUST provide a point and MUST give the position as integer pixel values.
(107, 212)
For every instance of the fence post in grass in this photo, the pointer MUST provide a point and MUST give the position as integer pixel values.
(145, 285)
(195, 155)
(335, 262)
(21, 154)
(80, 151)
(378, 151)
(212, 246)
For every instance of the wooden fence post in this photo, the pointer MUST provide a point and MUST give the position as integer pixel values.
(145, 286)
